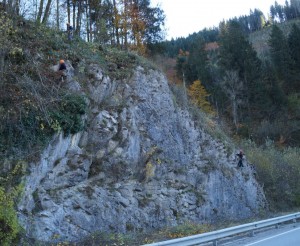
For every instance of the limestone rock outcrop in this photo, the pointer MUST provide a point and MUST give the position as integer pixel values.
(141, 163)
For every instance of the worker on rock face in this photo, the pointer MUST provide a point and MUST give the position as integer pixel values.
(240, 158)
(62, 69)
(70, 32)
(62, 65)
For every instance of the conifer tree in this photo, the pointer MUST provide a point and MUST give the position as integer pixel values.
(294, 45)
(237, 54)
(281, 58)
(197, 63)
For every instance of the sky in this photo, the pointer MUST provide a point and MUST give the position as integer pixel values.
(184, 17)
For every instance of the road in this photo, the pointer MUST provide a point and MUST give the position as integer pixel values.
(291, 238)
(286, 235)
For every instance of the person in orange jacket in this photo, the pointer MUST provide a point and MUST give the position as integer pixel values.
(61, 69)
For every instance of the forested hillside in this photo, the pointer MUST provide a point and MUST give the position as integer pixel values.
(246, 74)
(250, 67)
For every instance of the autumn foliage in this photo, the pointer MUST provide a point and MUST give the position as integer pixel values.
(199, 96)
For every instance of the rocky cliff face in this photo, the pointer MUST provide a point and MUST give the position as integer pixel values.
(141, 163)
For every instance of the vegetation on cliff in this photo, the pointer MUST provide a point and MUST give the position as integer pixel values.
(35, 104)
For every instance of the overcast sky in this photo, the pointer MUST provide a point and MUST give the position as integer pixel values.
(184, 17)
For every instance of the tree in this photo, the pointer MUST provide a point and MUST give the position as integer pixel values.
(12, 6)
(116, 22)
(43, 15)
(279, 11)
(237, 54)
(103, 22)
(294, 45)
(57, 14)
(287, 11)
(200, 96)
(47, 12)
(256, 20)
(234, 89)
(272, 13)
(181, 63)
(281, 57)
(153, 18)
(79, 17)
(138, 27)
(69, 10)
(295, 5)
(40, 13)
(6, 30)
(274, 98)
(141, 24)
(197, 63)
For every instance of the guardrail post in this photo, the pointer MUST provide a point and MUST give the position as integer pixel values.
(216, 243)
(294, 221)
(252, 234)
(276, 226)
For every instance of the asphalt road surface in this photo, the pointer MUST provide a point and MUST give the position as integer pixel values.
(286, 235)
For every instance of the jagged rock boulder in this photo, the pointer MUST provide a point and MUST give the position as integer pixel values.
(141, 163)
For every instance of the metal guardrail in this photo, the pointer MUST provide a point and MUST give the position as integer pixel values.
(216, 235)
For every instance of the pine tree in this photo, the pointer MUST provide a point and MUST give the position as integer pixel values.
(274, 98)
(237, 54)
(197, 63)
(294, 45)
(281, 58)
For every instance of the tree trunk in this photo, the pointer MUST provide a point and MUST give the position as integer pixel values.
(39, 16)
(74, 13)
(17, 11)
(57, 14)
(8, 6)
(78, 20)
(69, 11)
(90, 23)
(234, 112)
(116, 22)
(47, 12)
(88, 20)
(2, 55)
(12, 6)
(126, 20)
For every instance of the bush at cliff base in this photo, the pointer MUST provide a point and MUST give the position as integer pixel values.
(9, 226)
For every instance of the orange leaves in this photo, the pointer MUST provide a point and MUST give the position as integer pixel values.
(199, 96)
(183, 53)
